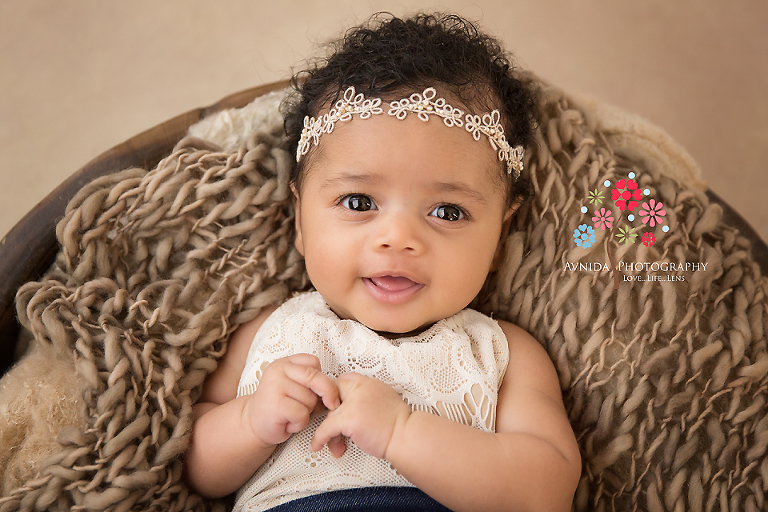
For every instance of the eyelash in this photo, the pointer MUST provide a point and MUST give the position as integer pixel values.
(462, 213)
(343, 201)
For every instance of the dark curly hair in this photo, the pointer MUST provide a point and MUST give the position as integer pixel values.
(389, 55)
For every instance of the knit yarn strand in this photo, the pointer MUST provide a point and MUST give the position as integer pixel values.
(665, 381)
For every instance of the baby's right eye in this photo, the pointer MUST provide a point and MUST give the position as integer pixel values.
(358, 203)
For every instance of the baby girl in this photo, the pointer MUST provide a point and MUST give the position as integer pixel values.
(380, 388)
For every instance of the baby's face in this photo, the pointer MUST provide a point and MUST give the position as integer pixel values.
(399, 220)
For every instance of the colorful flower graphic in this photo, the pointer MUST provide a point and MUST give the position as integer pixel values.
(603, 218)
(626, 195)
(596, 197)
(584, 236)
(626, 235)
(652, 213)
(649, 239)
(620, 216)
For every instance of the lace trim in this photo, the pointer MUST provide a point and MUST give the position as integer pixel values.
(423, 105)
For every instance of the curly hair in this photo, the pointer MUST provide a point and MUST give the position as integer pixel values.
(390, 55)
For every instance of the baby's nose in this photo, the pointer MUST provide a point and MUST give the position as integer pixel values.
(400, 233)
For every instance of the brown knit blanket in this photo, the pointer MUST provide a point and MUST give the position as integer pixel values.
(663, 363)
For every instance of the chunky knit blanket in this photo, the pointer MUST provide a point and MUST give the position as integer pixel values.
(652, 309)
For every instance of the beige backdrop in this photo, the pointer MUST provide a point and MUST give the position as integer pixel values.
(79, 77)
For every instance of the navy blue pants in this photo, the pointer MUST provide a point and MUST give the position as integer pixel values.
(365, 499)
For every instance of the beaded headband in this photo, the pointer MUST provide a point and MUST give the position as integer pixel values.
(423, 105)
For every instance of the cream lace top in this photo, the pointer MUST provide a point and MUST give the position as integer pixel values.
(453, 369)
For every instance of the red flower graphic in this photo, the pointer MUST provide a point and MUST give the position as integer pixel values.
(626, 195)
(649, 239)
(603, 218)
(652, 214)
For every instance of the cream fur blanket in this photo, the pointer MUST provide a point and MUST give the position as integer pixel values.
(665, 381)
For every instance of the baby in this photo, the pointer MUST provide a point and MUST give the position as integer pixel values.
(380, 389)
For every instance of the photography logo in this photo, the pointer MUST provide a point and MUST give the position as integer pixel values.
(626, 213)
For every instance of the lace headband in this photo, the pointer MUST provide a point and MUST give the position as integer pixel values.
(423, 105)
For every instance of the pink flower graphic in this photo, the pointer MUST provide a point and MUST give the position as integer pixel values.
(652, 214)
(649, 239)
(603, 218)
(626, 195)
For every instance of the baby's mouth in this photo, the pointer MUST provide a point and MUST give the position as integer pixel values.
(392, 289)
(393, 283)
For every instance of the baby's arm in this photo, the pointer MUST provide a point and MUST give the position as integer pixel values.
(531, 463)
(231, 436)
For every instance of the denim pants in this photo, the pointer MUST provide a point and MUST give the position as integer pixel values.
(365, 499)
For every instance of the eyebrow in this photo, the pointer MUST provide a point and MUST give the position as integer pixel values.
(463, 189)
(346, 178)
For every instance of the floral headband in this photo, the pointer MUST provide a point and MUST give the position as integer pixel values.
(423, 105)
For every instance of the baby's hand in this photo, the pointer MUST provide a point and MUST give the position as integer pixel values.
(370, 413)
(288, 393)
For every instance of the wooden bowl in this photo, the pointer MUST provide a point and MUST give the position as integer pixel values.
(30, 248)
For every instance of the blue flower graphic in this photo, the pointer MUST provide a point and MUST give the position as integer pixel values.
(584, 236)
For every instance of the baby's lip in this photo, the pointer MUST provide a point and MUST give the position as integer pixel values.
(393, 283)
(392, 288)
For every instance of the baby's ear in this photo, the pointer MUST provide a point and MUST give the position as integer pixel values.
(508, 216)
(496, 263)
(298, 241)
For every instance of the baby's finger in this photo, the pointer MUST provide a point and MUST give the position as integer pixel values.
(300, 394)
(337, 446)
(314, 379)
(305, 360)
(329, 429)
(295, 415)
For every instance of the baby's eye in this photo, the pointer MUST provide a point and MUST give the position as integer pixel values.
(358, 203)
(448, 212)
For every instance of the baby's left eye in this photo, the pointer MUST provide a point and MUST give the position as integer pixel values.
(448, 212)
